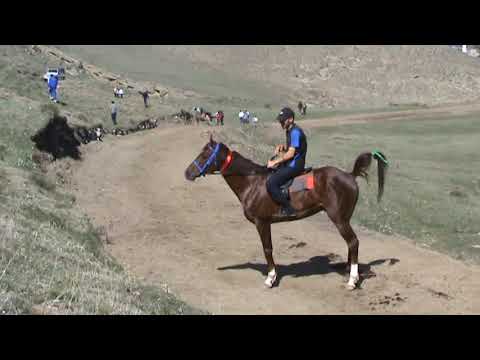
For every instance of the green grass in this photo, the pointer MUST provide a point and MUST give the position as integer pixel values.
(19, 119)
(21, 74)
(432, 190)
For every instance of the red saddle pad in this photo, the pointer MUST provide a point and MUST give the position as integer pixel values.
(303, 182)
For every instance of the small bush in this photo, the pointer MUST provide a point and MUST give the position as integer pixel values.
(57, 138)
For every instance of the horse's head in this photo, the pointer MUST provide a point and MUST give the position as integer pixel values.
(212, 158)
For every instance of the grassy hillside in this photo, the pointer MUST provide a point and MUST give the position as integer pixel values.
(176, 66)
(52, 260)
(433, 187)
(326, 76)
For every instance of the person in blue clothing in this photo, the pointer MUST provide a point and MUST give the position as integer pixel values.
(290, 160)
(52, 87)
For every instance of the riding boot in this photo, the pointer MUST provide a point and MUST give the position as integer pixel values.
(288, 210)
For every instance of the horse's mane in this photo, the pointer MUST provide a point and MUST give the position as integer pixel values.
(248, 165)
(245, 167)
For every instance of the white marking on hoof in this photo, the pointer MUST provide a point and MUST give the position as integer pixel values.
(272, 276)
(352, 282)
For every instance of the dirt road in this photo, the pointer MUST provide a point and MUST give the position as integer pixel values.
(438, 113)
(194, 237)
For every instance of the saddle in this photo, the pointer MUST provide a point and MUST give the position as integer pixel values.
(304, 181)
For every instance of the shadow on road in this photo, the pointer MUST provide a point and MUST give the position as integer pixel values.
(318, 265)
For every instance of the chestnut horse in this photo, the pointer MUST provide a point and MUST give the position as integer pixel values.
(335, 191)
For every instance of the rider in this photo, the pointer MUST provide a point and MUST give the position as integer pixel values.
(292, 155)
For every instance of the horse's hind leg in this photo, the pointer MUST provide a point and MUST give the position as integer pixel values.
(352, 242)
(351, 239)
(264, 230)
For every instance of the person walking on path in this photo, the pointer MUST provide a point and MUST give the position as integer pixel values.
(114, 113)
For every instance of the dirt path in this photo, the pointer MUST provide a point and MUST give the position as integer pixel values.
(439, 112)
(194, 237)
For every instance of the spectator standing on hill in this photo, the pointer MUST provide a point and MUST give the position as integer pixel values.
(52, 87)
(219, 115)
(241, 115)
(114, 113)
(145, 96)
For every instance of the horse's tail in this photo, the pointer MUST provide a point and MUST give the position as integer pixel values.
(362, 164)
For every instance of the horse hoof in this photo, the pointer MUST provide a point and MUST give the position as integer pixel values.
(351, 287)
(270, 281)
(352, 283)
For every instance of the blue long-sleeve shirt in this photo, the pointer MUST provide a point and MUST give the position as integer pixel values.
(53, 82)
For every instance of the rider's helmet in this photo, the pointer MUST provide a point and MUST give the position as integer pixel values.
(285, 114)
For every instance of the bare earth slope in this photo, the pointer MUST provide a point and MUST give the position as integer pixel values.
(194, 237)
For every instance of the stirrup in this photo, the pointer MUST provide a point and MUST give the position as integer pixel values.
(288, 211)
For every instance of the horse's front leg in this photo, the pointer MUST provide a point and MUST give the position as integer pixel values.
(264, 230)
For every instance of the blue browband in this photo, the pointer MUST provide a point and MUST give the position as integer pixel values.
(211, 159)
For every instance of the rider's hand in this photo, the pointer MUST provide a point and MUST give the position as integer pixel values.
(279, 148)
(271, 164)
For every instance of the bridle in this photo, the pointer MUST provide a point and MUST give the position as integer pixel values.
(213, 159)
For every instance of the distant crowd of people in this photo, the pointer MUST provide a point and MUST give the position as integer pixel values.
(246, 117)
